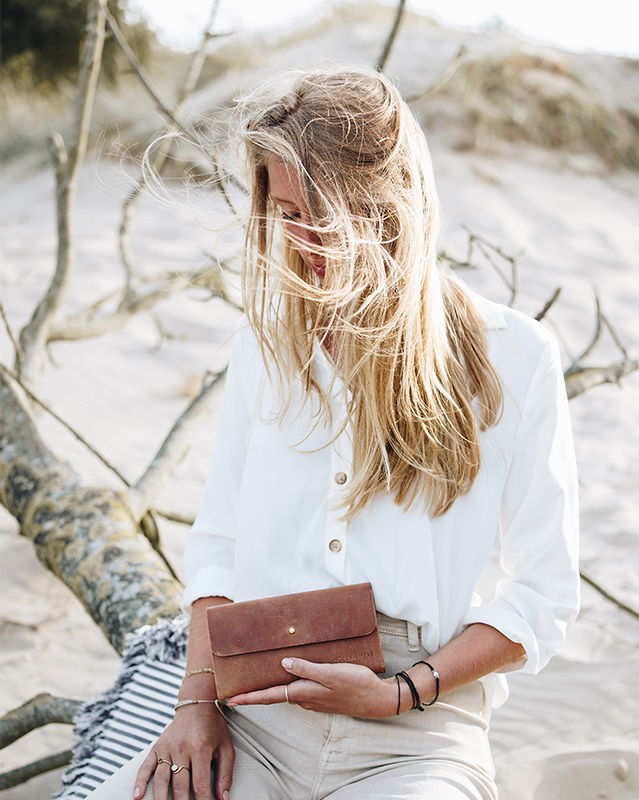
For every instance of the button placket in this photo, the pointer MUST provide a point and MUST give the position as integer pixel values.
(336, 533)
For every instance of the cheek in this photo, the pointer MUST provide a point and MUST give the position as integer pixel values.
(298, 239)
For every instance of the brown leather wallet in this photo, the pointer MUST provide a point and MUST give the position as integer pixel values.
(250, 638)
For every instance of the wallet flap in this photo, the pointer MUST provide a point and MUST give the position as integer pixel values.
(269, 623)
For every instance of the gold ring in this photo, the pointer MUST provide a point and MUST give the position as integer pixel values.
(288, 700)
(175, 768)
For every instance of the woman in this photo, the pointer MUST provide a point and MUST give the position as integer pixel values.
(381, 423)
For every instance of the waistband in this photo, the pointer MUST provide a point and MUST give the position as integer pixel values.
(400, 627)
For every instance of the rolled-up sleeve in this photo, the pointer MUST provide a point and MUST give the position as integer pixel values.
(210, 542)
(538, 598)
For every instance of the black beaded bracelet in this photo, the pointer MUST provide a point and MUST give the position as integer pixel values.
(436, 676)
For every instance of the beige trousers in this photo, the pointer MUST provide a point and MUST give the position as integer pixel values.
(284, 752)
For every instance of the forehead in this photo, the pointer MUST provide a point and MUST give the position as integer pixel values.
(284, 184)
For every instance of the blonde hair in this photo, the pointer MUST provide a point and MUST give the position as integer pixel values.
(409, 343)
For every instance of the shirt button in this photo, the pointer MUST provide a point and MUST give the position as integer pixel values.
(341, 477)
(334, 545)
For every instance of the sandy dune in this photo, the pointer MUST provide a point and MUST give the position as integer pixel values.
(569, 733)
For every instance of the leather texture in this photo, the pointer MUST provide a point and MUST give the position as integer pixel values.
(250, 638)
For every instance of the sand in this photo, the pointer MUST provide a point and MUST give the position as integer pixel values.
(568, 733)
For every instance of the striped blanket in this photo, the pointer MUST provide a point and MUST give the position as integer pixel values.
(112, 728)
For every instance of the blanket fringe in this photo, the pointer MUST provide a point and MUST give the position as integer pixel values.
(163, 641)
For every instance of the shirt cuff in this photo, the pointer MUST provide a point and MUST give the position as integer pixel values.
(515, 628)
(211, 581)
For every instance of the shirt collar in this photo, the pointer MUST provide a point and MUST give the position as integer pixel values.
(493, 315)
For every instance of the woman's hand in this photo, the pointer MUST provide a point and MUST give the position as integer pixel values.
(197, 735)
(334, 688)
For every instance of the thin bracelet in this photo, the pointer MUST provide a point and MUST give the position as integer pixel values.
(399, 693)
(198, 672)
(190, 703)
(436, 676)
(413, 690)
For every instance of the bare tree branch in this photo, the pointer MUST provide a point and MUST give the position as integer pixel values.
(43, 709)
(596, 336)
(34, 335)
(399, 13)
(174, 516)
(38, 401)
(21, 774)
(139, 70)
(147, 522)
(163, 107)
(86, 536)
(488, 250)
(446, 75)
(605, 593)
(192, 77)
(583, 378)
(84, 326)
(548, 304)
(173, 449)
(18, 354)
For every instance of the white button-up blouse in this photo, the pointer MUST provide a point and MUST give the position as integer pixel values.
(266, 525)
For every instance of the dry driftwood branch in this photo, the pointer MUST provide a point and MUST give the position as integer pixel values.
(596, 336)
(605, 593)
(163, 154)
(162, 466)
(585, 378)
(388, 45)
(548, 304)
(148, 525)
(18, 357)
(174, 516)
(443, 79)
(173, 448)
(488, 250)
(34, 335)
(43, 709)
(46, 407)
(163, 107)
(86, 324)
(581, 377)
(139, 69)
(22, 774)
(86, 536)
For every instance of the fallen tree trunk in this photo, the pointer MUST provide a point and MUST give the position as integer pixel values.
(85, 535)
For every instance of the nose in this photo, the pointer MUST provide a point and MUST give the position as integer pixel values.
(304, 241)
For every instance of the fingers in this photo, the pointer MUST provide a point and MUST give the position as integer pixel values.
(299, 693)
(180, 781)
(201, 761)
(146, 770)
(224, 771)
(326, 674)
(275, 694)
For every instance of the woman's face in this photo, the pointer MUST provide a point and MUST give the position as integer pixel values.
(287, 193)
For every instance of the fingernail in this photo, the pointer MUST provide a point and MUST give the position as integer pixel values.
(287, 663)
(225, 795)
(137, 792)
